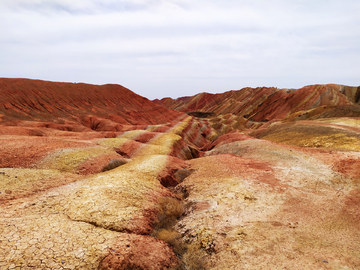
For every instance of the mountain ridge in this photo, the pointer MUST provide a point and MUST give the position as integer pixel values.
(266, 103)
(78, 103)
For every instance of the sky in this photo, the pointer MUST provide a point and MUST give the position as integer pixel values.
(175, 48)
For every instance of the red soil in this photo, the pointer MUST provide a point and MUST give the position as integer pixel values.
(38, 118)
(349, 167)
(167, 177)
(17, 152)
(139, 252)
(228, 138)
(281, 104)
(262, 104)
(145, 137)
(96, 164)
(110, 105)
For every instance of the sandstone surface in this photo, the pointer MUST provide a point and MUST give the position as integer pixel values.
(97, 177)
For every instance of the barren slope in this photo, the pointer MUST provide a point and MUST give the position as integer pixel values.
(77, 104)
(96, 177)
(265, 104)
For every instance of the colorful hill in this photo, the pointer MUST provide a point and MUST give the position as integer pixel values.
(97, 177)
(265, 104)
(104, 107)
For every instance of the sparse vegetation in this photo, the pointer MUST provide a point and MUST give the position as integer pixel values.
(114, 163)
(194, 258)
(170, 209)
(191, 255)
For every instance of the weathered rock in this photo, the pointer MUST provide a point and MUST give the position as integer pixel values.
(181, 174)
(25, 99)
(114, 163)
(272, 207)
(272, 180)
(336, 134)
(103, 209)
(264, 104)
(139, 252)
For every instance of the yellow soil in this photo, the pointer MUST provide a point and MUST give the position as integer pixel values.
(178, 128)
(132, 134)
(113, 142)
(339, 141)
(74, 226)
(55, 231)
(251, 224)
(152, 127)
(68, 160)
(51, 241)
(351, 122)
(16, 183)
(160, 145)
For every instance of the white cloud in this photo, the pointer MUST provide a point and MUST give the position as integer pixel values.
(180, 47)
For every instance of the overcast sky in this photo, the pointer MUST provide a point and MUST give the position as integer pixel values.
(160, 48)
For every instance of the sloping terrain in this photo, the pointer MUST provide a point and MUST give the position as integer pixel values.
(74, 106)
(252, 179)
(264, 104)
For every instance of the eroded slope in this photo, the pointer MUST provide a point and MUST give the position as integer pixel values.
(74, 106)
(271, 179)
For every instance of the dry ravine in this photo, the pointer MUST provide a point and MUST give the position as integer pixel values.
(94, 182)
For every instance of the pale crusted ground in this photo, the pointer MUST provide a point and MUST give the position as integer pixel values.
(334, 134)
(68, 160)
(75, 226)
(268, 206)
(15, 182)
(252, 204)
(51, 241)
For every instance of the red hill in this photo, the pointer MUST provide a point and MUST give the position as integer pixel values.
(261, 178)
(265, 104)
(92, 105)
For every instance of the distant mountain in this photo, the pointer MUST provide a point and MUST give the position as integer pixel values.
(263, 104)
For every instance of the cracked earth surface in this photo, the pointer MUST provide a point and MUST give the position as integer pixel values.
(250, 203)
(80, 224)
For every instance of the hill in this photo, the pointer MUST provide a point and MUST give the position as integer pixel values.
(265, 104)
(109, 106)
(98, 177)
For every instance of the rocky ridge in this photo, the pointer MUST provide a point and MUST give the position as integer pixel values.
(266, 178)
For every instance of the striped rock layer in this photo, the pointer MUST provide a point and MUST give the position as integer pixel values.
(96, 177)
(266, 104)
(76, 106)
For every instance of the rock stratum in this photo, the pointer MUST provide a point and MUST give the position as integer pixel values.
(77, 106)
(97, 177)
